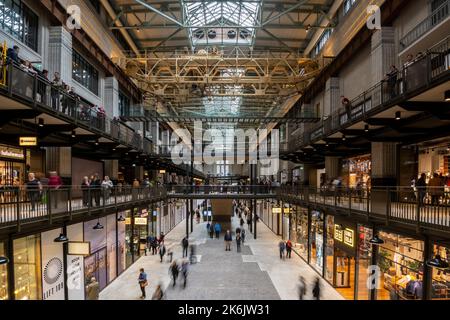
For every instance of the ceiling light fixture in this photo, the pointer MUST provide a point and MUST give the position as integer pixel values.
(366, 128)
(41, 122)
(61, 238)
(437, 263)
(343, 137)
(447, 96)
(398, 115)
(3, 260)
(73, 134)
(376, 240)
(98, 226)
(121, 218)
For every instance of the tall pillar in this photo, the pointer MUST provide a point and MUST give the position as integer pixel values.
(60, 53)
(332, 167)
(332, 97)
(383, 53)
(111, 99)
(384, 175)
(59, 159)
(112, 169)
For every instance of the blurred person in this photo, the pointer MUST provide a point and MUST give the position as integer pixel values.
(174, 271)
(158, 294)
(228, 239)
(33, 187)
(85, 185)
(107, 187)
(162, 250)
(421, 186)
(184, 271)
(302, 288)
(282, 247)
(185, 245)
(238, 242)
(288, 249)
(316, 289)
(192, 255)
(92, 290)
(217, 229)
(54, 184)
(243, 235)
(143, 282)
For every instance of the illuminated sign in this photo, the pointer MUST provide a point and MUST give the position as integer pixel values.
(349, 237)
(338, 233)
(162, 171)
(76, 248)
(28, 141)
(127, 220)
(276, 210)
(12, 153)
(140, 221)
(144, 213)
(287, 210)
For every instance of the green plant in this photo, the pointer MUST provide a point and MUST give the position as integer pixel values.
(383, 261)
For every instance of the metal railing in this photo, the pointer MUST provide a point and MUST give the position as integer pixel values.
(436, 17)
(420, 207)
(20, 205)
(419, 74)
(34, 89)
(221, 189)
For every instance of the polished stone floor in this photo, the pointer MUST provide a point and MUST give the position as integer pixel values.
(257, 273)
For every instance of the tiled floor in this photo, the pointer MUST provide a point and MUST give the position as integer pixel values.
(257, 273)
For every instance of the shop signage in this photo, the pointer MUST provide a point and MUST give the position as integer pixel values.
(162, 171)
(140, 221)
(127, 221)
(78, 248)
(276, 210)
(11, 153)
(155, 213)
(52, 266)
(28, 141)
(75, 276)
(345, 236)
(144, 213)
(287, 210)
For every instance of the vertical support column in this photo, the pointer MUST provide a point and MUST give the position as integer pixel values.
(332, 167)
(384, 175)
(383, 53)
(112, 169)
(111, 99)
(187, 218)
(332, 97)
(60, 53)
(427, 271)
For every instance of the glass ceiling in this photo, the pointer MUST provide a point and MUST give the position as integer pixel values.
(242, 15)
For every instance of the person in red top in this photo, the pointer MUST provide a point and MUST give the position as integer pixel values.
(54, 183)
(288, 249)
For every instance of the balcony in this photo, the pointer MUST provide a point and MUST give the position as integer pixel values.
(427, 32)
(423, 74)
(397, 205)
(21, 207)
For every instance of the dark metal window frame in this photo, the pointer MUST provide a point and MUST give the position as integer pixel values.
(85, 73)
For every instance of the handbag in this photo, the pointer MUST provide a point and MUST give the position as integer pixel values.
(144, 283)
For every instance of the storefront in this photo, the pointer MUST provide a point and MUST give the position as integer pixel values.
(3, 275)
(356, 172)
(299, 231)
(440, 285)
(12, 166)
(140, 231)
(95, 265)
(400, 260)
(316, 241)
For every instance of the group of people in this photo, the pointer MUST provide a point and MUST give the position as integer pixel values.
(435, 188)
(285, 249)
(93, 188)
(303, 288)
(39, 189)
(55, 92)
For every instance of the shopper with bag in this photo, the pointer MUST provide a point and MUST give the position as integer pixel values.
(143, 282)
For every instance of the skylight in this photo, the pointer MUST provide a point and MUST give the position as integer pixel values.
(228, 21)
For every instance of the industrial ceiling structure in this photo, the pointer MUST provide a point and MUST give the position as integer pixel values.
(228, 60)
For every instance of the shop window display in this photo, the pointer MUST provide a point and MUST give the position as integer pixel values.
(359, 171)
(400, 262)
(27, 268)
(364, 261)
(316, 238)
(3, 275)
(128, 239)
(299, 232)
(329, 249)
(440, 287)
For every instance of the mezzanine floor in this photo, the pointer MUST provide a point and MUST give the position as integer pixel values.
(254, 274)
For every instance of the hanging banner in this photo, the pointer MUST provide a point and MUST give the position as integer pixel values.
(52, 266)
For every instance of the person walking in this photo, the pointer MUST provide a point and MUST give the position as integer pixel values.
(85, 191)
(238, 231)
(184, 271)
(421, 186)
(33, 190)
(218, 230)
(434, 189)
(158, 294)
(228, 238)
(288, 248)
(162, 250)
(54, 184)
(154, 244)
(282, 247)
(142, 279)
(185, 245)
(211, 231)
(107, 186)
(238, 242)
(173, 271)
(316, 289)
(92, 290)
(96, 185)
(243, 236)
(302, 288)
(242, 222)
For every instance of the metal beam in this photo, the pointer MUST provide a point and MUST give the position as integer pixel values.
(162, 14)
(302, 2)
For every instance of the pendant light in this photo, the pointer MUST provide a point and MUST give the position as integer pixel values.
(376, 240)
(61, 238)
(437, 263)
(98, 226)
(3, 260)
(121, 218)
(398, 115)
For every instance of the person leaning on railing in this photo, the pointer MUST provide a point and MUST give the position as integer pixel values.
(34, 189)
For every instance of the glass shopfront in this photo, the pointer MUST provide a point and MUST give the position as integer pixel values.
(440, 286)
(364, 261)
(400, 260)
(329, 249)
(3, 275)
(27, 268)
(128, 238)
(299, 231)
(357, 172)
(140, 231)
(316, 240)
(12, 166)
